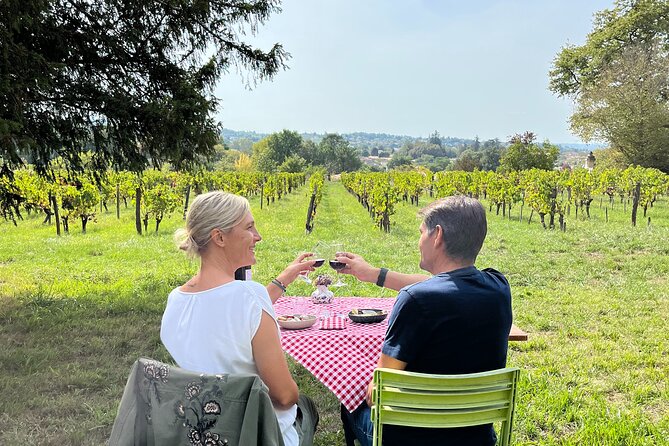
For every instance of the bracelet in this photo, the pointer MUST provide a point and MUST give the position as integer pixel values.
(280, 284)
(382, 277)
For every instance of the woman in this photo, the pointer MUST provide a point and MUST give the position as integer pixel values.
(215, 324)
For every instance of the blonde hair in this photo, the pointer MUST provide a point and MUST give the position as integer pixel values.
(213, 210)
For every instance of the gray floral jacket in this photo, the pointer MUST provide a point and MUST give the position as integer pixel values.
(164, 405)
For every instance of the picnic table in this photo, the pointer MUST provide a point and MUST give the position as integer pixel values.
(343, 360)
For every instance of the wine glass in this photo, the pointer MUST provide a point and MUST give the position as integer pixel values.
(319, 262)
(336, 248)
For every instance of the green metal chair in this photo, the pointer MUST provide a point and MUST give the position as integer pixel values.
(436, 401)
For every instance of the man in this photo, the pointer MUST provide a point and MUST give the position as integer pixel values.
(456, 321)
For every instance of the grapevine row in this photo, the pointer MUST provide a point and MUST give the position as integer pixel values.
(155, 193)
(549, 194)
(376, 192)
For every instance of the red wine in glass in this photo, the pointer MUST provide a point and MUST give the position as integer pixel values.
(305, 275)
(336, 265)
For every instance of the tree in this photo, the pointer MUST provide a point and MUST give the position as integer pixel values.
(610, 159)
(491, 154)
(337, 154)
(283, 144)
(416, 149)
(435, 138)
(627, 106)
(308, 151)
(262, 157)
(399, 160)
(524, 154)
(467, 161)
(293, 164)
(129, 82)
(272, 151)
(476, 145)
(433, 163)
(618, 79)
(242, 144)
(227, 160)
(243, 163)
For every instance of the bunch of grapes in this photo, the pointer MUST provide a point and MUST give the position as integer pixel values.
(323, 279)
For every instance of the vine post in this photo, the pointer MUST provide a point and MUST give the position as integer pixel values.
(186, 201)
(635, 203)
(309, 226)
(54, 204)
(138, 210)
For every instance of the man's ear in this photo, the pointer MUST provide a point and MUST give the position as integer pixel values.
(438, 236)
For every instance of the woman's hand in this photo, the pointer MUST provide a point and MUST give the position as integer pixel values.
(357, 267)
(297, 266)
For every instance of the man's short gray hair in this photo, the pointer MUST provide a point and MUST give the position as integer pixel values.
(463, 222)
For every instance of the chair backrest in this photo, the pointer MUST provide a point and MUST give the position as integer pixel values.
(444, 401)
(164, 405)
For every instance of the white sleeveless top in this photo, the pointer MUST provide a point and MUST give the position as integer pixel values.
(211, 331)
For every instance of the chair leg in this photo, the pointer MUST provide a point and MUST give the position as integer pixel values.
(505, 434)
(377, 433)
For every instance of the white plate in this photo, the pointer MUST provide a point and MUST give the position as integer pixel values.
(305, 321)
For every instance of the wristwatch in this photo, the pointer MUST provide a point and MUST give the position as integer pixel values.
(382, 277)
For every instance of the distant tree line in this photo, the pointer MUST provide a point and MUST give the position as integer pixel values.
(288, 151)
(520, 153)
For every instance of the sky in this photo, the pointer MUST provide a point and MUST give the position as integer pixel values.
(412, 67)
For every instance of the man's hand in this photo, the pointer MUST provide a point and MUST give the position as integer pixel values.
(370, 392)
(357, 267)
(387, 362)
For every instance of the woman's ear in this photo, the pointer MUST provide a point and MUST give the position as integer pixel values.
(217, 237)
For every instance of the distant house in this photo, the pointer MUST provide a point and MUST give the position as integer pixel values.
(590, 162)
(375, 161)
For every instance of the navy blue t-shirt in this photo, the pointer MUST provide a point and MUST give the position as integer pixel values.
(453, 323)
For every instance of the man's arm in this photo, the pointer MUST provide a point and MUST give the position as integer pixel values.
(396, 281)
(387, 362)
(363, 271)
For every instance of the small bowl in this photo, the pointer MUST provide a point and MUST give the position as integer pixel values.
(367, 315)
(296, 321)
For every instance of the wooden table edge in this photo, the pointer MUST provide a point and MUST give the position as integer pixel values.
(516, 334)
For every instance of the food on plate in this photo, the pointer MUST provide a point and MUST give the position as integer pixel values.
(367, 312)
(367, 315)
(295, 317)
(296, 321)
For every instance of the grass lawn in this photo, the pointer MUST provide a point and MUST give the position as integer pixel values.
(77, 310)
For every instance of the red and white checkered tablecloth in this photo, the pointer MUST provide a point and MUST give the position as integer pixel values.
(343, 360)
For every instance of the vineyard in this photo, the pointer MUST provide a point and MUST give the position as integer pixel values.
(553, 196)
(77, 310)
(154, 193)
(549, 194)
